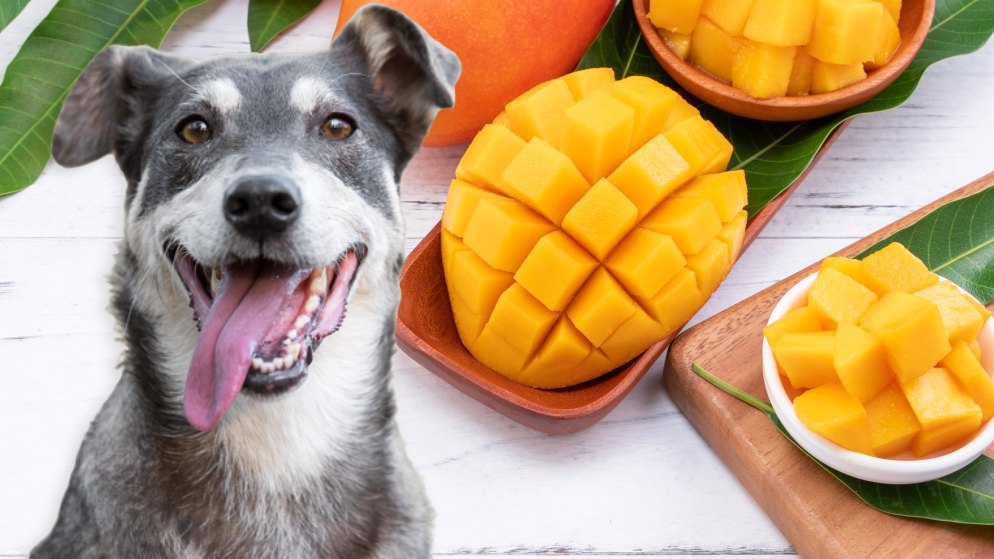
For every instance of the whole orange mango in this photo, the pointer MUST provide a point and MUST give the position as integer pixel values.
(505, 48)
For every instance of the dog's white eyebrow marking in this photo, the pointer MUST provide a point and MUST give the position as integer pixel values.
(222, 94)
(307, 93)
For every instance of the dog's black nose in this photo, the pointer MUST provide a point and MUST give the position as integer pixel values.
(262, 205)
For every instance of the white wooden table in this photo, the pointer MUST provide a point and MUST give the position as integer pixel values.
(640, 483)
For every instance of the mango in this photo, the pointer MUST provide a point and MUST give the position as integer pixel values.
(679, 43)
(850, 267)
(590, 220)
(800, 73)
(798, 320)
(860, 362)
(961, 318)
(946, 413)
(763, 70)
(713, 50)
(965, 366)
(893, 424)
(888, 39)
(675, 15)
(826, 77)
(807, 358)
(729, 15)
(911, 331)
(895, 268)
(782, 23)
(845, 31)
(834, 414)
(837, 298)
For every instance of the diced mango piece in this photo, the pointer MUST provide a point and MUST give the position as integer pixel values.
(540, 111)
(762, 70)
(488, 155)
(521, 320)
(826, 77)
(832, 413)
(802, 319)
(468, 324)
(700, 145)
(713, 50)
(733, 234)
(974, 346)
(650, 174)
(600, 307)
(598, 130)
(845, 31)
(545, 179)
(475, 283)
(556, 364)
(585, 82)
(681, 112)
(961, 318)
(911, 331)
(852, 268)
(450, 246)
(727, 191)
(893, 424)
(679, 43)
(806, 358)
(895, 267)
(888, 39)
(496, 352)
(691, 222)
(710, 265)
(676, 302)
(555, 270)
(503, 232)
(800, 73)
(462, 200)
(652, 102)
(645, 261)
(729, 15)
(500, 120)
(838, 298)
(675, 15)
(946, 413)
(893, 8)
(601, 219)
(638, 332)
(965, 366)
(860, 362)
(782, 23)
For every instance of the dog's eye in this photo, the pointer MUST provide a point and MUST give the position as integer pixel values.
(337, 127)
(194, 130)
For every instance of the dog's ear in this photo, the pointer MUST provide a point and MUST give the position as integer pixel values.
(115, 87)
(413, 72)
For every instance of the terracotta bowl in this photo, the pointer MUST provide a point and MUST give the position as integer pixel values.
(916, 19)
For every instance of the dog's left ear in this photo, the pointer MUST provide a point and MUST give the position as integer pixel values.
(414, 73)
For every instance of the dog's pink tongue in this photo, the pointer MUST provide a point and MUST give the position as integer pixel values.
(249, 300)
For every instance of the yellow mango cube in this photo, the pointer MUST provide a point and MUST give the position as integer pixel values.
(713, 50)
(834, 414)
(802, 319)
(477, 284)
(645, 261)
(845, 31)
(710, 265)
(852, 268)
(966, 367)
(585, 82)
(468, 324)
(545, 179)
(679, 43)
(895, 267)
(502, 120)
(762, 70)
(860, 362)
(600, 307)
(681, 112)
(635, 334)
(650, 174)
(974, 346)
(727, 191)
(598, 130)
(601, 219)
(488, 155)
(700, 145)
(463, 198)
(450, 246)
(807, 358)
(652, 102)
(961, 318)
(556, 364)
(729, 15)
(733, 234)
(893, 8)
(676, 302)
(893, 424)
(521, 320)
(838, 298)
(540, 112)
(555, 270)
(675, 15)
(888, 39)
(946, 413)
(691, 222)
(503, 232)
(800, 73)
(782, 23)
(911, 331)
(826, 77)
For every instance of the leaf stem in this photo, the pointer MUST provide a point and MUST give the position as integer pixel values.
(731, 390)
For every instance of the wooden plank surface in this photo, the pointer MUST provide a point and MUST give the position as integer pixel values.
(819, 515)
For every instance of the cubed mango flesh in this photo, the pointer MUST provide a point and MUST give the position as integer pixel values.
(798, 320)
(691, 222)
(555, 270)
(598, 130)
(733, 234)
(585, 82)
(476, 284)
(860, 362)
(710, 265)
(488, 155)
(763, 70)
(675, 15)
(961, 318)
(713, 50)
(893, 424)
(800, 73)
(676, 302)
(807, 358)
(826, 77)
(652, 102)
(838, 298)
(850, 267)
(727, 191)
(679, 43)
(966, 367)
(729, 15)
(888, 39)
(834, 414)
(545, 179)
(845, 31)
(701, 145)
(894, 267)
(651, 173)
(911, 331)
(601, 218)
(645, 261)
(540, 112)
(600, 307)
(556, 364)
(503, 232)
(782, 23)
(463, 198)
(945, 411)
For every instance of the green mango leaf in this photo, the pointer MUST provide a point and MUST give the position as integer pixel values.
(956, 241)
(53, 56)
(269, 18)
(9, 10)
(775, 154)
(963, 497)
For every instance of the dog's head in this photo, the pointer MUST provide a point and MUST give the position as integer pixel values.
(264, 186)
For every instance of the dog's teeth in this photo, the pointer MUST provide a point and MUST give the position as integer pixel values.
(278, 363)
(319, 281)
(288, 361)
(268, 367)
(215, 280)
(302, 320)
(312, 304)
(257, 363)
(291, 335)
(293, 351)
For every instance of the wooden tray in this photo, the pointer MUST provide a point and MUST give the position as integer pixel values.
(819, 515)
(427, 332)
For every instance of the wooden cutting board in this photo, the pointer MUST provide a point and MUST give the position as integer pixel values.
(819, 515)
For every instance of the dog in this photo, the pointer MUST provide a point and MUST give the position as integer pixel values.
(256, 288)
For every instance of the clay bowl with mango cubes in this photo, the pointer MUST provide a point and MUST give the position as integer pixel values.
(880, 375)
(718, 51)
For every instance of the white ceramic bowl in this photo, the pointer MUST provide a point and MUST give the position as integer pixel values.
(899, 470)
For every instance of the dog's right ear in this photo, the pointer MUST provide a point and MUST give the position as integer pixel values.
(116, 87)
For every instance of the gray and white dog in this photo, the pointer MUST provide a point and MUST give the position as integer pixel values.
(262, 200)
